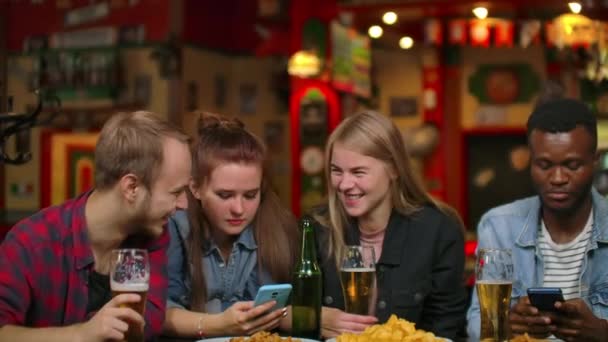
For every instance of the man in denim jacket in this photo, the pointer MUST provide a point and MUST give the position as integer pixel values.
(567, 222)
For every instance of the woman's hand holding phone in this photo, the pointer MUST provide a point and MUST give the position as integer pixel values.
(277, 292)
(243, 318)
(265, 313)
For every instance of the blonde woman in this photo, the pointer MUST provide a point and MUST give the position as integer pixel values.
(375, 199)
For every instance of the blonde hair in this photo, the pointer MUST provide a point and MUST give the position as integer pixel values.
(132, 143)
(374, 135)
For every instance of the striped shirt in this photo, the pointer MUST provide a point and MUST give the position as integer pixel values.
(563, 262)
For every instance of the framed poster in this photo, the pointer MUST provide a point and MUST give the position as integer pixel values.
(274, 135)
(219, 90)
(67, 165)
(248, 98)
(192, 96)
(403, 106)
(142, 89)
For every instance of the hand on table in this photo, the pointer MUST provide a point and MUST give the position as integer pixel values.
(335, 322)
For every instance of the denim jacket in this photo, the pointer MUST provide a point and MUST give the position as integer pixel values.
(516, 226)
(227, 282)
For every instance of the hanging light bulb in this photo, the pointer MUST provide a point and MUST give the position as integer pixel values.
(480, 12)
(406, 42)
(389, 18)
(375, 31)
(575, 7)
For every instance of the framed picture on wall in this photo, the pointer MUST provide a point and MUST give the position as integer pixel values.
(141, 90)
(192, 96)
(219, 90)
(403, 106)
(67, 165)
(248, 98)
(274, 135)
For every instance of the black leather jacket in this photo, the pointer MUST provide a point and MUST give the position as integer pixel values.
(419, 274)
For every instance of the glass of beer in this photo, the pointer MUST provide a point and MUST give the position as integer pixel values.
(358, 275)
(494, 280)
(130, 273)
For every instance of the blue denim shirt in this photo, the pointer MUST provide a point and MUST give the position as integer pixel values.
(227, 283)
(516, 226)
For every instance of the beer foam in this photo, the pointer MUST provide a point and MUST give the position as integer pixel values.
(495, 282)
(136, 287)
(360, 270)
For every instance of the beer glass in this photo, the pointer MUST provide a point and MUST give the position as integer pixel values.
(130, 273)
(494, 280)
(358, 275)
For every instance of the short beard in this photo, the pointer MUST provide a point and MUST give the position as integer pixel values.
(140, 221)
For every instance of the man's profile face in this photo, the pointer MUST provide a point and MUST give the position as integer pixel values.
(168, 190)
(562, 168)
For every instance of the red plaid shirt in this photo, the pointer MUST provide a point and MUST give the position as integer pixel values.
(44, 265)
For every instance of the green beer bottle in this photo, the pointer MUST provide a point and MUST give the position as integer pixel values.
(306, 295)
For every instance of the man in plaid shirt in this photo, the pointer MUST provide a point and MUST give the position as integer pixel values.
(54, 266)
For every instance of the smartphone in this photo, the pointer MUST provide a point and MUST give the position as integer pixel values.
(278, 292)
(544, 298)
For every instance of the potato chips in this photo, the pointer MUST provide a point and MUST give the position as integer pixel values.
(264, 336)
(526, 338)
(395, 329)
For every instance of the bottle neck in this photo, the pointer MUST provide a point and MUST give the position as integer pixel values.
(308, 244)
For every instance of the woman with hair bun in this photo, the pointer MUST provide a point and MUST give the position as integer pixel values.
(216, 260)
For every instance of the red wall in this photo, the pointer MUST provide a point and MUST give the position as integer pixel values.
(227, 25)
(25, 19)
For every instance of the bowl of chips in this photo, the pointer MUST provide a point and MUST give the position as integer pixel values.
(394, 330)
(262, 336)
(527, 338)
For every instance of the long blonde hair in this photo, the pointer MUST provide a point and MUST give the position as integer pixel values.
(374, 135)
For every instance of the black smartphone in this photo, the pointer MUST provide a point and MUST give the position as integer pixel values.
(544, 298)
